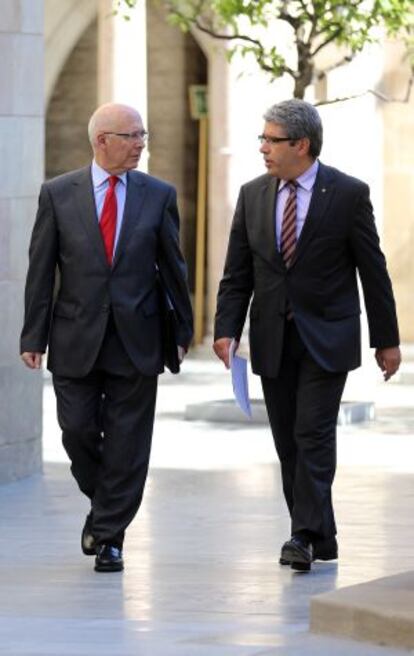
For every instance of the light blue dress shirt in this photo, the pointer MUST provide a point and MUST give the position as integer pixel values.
(306, 182)
(100, 182)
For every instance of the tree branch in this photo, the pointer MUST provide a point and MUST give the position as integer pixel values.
(293, 22)
(243, 37)
(306, 10)
(377, 94)
(341, 62)
(333, 36)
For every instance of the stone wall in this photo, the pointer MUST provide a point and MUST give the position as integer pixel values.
(65, 21)
(71, 105)
(21, 172)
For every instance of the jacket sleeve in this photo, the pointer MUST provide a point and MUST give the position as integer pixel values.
(372, 269)
(173, 270)
(236, 285)
(40, 279)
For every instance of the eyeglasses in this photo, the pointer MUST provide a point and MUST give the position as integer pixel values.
(273, 140)
(141, 135)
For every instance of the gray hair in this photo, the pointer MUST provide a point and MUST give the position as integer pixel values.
(299, 119)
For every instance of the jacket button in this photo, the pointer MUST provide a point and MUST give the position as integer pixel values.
(105, 308)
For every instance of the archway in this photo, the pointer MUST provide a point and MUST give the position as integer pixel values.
(73, 100)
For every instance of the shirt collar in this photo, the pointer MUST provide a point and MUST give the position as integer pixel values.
(100, 176)
(307, 179)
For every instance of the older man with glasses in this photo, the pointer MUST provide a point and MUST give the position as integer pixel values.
(111, 233)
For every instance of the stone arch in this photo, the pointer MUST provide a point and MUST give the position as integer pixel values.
(72, 102)
(65, 22)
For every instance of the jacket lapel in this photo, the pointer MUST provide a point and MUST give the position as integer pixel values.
(136, 188)
(87, 211)
(267, 206)
(321, 197)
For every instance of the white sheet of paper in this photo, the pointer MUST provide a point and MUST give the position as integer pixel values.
(238, 367)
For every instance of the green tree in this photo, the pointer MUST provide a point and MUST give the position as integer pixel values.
(314, 25)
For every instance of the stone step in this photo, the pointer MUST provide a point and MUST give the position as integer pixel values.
(380, 611)
(407, 351)
(405, 374)
(406, 378)
(226, 410)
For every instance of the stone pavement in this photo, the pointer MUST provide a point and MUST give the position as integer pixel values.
(201, 575)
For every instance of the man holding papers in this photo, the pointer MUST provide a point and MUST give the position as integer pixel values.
(238, 368)
(300, 234)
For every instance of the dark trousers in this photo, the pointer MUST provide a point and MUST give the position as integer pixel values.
(107, 421)
(303, 404)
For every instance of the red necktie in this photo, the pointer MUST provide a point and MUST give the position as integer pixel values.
(288, 235)
(107, 222)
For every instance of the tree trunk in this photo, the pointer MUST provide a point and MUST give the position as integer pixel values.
(299, 88)
(305, 69)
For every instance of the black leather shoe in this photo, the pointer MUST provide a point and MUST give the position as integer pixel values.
(322, 550)
(298, 553)
(108, 559)
(87, 540)
(325, 549)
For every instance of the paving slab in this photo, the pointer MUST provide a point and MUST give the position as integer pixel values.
(380, 611)
(202, 576)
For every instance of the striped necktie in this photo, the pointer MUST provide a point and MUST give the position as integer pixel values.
(288, 233)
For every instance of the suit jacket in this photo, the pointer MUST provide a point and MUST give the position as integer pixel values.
(338, 239)
(69, 312)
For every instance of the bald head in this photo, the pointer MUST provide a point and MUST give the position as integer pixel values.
(117, 137)
(108, 117)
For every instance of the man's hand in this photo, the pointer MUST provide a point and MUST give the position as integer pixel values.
(222, 349)
(388, 360)
(33, 360)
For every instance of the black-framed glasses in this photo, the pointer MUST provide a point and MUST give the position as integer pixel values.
(273, 140)
(141, 135)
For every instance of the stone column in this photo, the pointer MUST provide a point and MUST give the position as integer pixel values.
(399, 184)
(21, 172)
(220, 200)
(122, 59)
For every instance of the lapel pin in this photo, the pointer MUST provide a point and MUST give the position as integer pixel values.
(323, 190)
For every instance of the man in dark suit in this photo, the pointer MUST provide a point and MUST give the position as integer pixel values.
(300, 234)
(111, 233)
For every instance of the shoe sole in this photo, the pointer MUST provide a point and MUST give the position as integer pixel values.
(325, 555)
(300, 566)
(109, 568)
